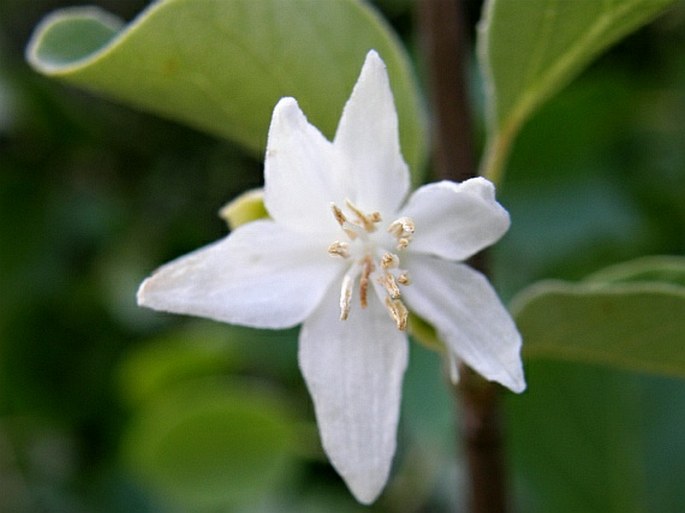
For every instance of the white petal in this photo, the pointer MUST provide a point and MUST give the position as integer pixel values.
(468, 316)
(367, 142)
(259, 276)
(298, 173)
(354, 371)
(456, 220)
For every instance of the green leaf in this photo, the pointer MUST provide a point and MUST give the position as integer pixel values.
(221, 65)
(597, 440)
(662, 269)
(196, 351)
(638, 326)
(211, 444)
(530, 49)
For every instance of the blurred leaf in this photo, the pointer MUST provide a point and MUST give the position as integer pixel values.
(597, 440)
(638, 326)
(529, 50)
(221, 65)
(211, 444)
(662, 269)
(182, 354)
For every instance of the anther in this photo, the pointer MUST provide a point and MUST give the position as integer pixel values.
(338, 214)
(349, 228)
(403, 229)
(346, 297)
(340, 249)
(390, 285)
(404, 279)
(390, 261)
(398, 312)
(367, 269)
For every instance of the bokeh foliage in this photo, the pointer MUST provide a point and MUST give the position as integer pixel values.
(100, 402)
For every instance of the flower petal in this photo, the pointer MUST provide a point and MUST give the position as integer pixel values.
(367, 142)
(259, 276)
(354, 371)
(456, 220)
(298, 173)
(468, 316)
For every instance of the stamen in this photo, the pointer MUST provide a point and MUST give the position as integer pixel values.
(403, 278)
(390, 261)
(340, 249)
(338, 214)
(403, 229)
(346, 297)
(398, 312)
(390, 285)
(367, 221)
(347, 227)
(367, 269)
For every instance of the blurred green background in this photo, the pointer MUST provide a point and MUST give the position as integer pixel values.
(107, 407)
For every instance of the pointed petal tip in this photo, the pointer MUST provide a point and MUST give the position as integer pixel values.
(514, 380)
(285, 108)
(373, 64)
(373, 58)
(140, 293)
(366, 496)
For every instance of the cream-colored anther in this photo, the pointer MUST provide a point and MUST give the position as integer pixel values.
(403, 229)
(338, 214)
(398, 312)
(347, 227)
(367, 269)
(390, 285)
(390, 261)
(346, 297)
(341, 249)
(403, 278)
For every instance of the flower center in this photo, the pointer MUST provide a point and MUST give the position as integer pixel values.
(372, 264)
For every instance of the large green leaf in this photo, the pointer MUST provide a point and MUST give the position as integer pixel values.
(221, 65)
(634, 318)
(530, 49)
(597, 440)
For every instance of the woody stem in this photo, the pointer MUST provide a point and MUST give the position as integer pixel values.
(444, 41)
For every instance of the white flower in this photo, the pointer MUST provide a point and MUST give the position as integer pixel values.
(345, 256)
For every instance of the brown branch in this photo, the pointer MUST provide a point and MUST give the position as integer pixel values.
(444, 41)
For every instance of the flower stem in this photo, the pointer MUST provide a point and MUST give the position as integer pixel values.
(444, 41)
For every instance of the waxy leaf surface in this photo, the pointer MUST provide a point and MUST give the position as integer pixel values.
(221, 65)
(530, 49)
